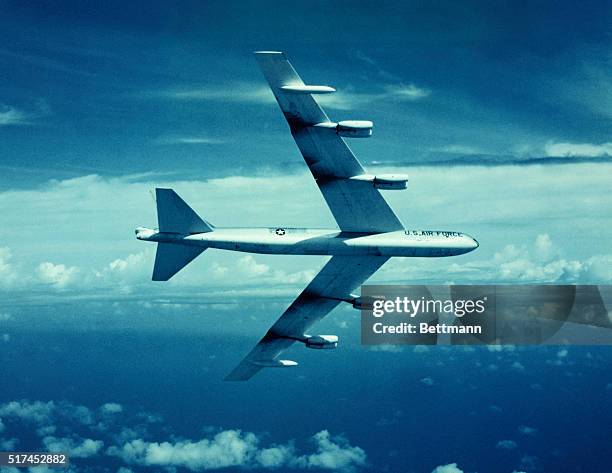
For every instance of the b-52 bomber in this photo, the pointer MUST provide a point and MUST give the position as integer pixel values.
(368, 233)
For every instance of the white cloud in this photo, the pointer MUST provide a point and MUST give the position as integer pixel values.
(459, 149)
(80, 425)
(188, 140)
(47, 469)
(258, 93)
(111, 408)
(348, 99)
(450, 468)
(227, 448)
(233, 448)
(543, 247)
(46, 430)
(535, 264)
(428, 381)
(57, 275)
(333, 454)
(79, 448)
(128, 440)
(506, 444)
(274, 457)
(244, 92)
(598, 268)
(500, 348)
(539, 262)
(8, 273)
(38, 412)
(530, 462)
(526, 430)
(10, 469)
(127, 264)
(250, 267)
(44, 415)
(12, 116)
(81, 414)
(406, 92)
(387, 348)
(590, 150)
(8, 445)
(123, 273)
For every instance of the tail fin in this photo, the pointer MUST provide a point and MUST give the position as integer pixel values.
(175, 216)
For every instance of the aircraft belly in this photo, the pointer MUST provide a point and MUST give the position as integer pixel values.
(290, 242)
(315, 246)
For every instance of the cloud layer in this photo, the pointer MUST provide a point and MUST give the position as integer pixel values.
(534, 225)
(109, 431)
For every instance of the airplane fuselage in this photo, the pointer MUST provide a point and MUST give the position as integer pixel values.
(303, 241)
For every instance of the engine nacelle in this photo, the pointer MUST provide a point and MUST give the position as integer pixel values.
(275, 363)
(385, 181)
(365, 302)
(391, 181)
(322, 342)
(355, 128)
(308, 89)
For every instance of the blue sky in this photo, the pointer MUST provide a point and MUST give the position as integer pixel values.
(122, 89)
(499, 113)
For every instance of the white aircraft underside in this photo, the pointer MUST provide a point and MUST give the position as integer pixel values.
(368, 233)
(305, 241)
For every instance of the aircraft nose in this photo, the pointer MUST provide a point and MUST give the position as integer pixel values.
(470, 242)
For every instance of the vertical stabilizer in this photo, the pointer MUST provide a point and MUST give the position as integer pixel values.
(175, 216)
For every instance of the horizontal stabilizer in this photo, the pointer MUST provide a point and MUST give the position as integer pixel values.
(171, 258)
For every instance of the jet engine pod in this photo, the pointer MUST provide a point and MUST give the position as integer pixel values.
(384, 181)
(391, 181)
(275, 363)
(355, 128)
(322, 342)
(365, 302)
(308, 89)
